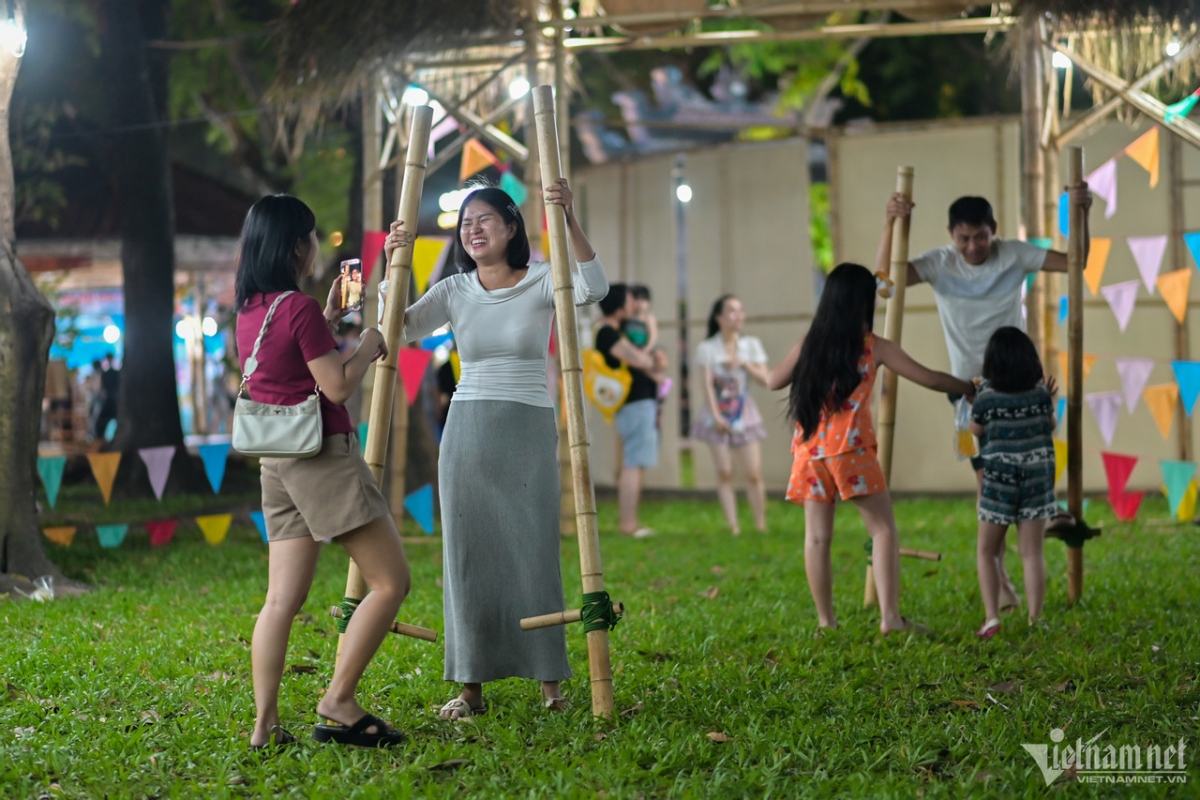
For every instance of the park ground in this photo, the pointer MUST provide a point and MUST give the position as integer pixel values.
(141, 689)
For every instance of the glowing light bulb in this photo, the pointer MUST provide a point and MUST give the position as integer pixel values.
(684, 193)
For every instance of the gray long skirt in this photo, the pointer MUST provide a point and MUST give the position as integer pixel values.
(498, 471)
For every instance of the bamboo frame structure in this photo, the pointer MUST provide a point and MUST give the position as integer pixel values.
(893, 327)
(599, 664)
(1075, 264)
(560, 618)
(399, 274)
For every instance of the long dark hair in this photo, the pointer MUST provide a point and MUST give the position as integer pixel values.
(827, 371)
(518, 246)
(718, 307)
(1010, 361)
(264, 262)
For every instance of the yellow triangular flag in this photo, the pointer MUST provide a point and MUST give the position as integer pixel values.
(426, 252)
(1089, 361)
(63, 536)
(475, 157)
(1060, 459)
(104, 468)
(1097, 260)
(214, 527)
(1174, 290)
(1144, 151)
(1187, 505)
(1161, 399)
(456, 365)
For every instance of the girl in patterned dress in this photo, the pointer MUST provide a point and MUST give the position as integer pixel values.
(1013, 416)
(831, 372)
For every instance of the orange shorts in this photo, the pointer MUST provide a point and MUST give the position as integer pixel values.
(846, 475)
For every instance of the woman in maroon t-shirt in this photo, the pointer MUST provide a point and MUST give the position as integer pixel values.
(307, 501)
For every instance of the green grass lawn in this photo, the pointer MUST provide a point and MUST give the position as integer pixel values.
(142, 688)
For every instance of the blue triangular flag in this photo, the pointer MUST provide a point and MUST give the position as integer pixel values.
(50, 469)
(1062, 410)
(111, 535)
(515, 189)
(1064, 214)
(260, 522)
(432, 343)
(420, 505)
(1187, 375)
(1086, 504)
(1064, 308)
(214, 457)
(362, 436)
(1042, 242)
(1177, 475)
(1030, 279)
(1192, 240)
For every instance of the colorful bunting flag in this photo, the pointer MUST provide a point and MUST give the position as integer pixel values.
(428, 253)
(1117, 469)
(260, 522)
(1103, 184)
(111, 535)
(158, 465)
(1125, 506)
(1135, 373)
(1187, 506)
(419, 505)
(1174, 287)
(104, 469)
(475, 158)
(1144, 150)
(1177, 475)
(1106, 407)
(214, 457)
(1060, 459)
(362, 436)
(456, 365)
(1187, 376)
(1064, 214)
(1097, 260)
(161, 531)
(1064, 309)
(413, 362)
(372, 249)
(515, 189)
(1148, 254)
(432, 343)
(214, 527)
(1177, 111)
(1061, 411)
(50, 470)
(440, 130)
(1192, 240)
(1161, 399)
(1089, 361)
(61, 536)
(1121, 298)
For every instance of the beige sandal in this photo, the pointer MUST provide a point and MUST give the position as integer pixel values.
(458, 709)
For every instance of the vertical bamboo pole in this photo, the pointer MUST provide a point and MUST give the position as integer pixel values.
(1032, 188)
(893, 326)
(599, 665)
(399, 275)
(533, 183)
(1183, 423)
(1075, 259)
(372, 200)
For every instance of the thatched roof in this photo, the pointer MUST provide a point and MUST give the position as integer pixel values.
(1116, 14)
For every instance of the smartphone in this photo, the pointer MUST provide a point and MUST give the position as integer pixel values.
(352, 285)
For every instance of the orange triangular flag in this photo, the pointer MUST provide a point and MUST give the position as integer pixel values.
(1174, 290)
(1144, 151)
(1060, 459)
(1097, 260)
(63, 536)
(475, 157)
(1089, 361)
(104, 467)
(1161, 399)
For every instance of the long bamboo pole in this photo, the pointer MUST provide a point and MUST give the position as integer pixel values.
(1183, 421)
(399, 275)
(893, 326)
(1075, 259)
(599, 665)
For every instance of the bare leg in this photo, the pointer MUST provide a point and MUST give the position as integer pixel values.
(991, 541)
(877, 515)
(756, 491)
(1030, 538)
(1008, 590)
(818, 534)
(292, 563)
(376, 549)
(723, 459)
(629, 491)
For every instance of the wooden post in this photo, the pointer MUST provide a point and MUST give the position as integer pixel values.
(399, 275)
(893, 326)
(1075, 264)
(1183, 422)
(599, 666)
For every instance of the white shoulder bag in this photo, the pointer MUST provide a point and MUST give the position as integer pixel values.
(264, 430)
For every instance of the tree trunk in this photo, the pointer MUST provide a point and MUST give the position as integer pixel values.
(26, 329)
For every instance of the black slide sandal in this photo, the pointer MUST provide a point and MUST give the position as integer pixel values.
(357, 734)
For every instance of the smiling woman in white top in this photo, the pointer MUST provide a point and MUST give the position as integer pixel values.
(498, 465)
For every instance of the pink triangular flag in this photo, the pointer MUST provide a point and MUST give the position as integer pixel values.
(1117, 469)
(1103, 183)
(1106, 407)
(1121, 298)
(1148, 253)
(1135, 373)
(413, 363)
(158, 464)
(161, 531)
(1125, 505)
(372, 249)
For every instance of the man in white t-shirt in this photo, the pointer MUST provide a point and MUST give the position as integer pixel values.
(977, 281)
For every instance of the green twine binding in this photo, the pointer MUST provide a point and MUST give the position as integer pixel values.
(348, 606)
(598, 612)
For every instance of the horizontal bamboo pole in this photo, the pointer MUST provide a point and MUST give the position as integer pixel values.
(415, 631)
(759, 12)
(924, 555)
(560, 618)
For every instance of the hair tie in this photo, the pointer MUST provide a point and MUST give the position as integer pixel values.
(884, 284)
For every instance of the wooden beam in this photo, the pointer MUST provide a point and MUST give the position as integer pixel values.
(762, 12)
(448, 152)
(485, 129)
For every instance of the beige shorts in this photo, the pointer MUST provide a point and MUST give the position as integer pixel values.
(324, 496)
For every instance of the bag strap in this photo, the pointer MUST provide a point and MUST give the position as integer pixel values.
(252, 362)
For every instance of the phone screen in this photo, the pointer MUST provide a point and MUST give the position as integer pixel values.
(352, 285)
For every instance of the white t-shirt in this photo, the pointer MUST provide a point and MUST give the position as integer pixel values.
(711, 352)
(974, 302)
